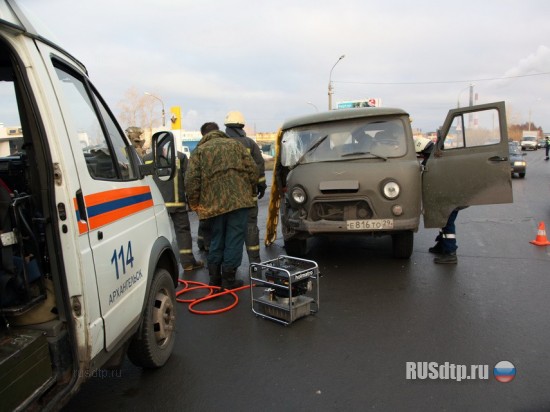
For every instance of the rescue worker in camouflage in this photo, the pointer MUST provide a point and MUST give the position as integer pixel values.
(234, 122)
(134, 133)
(173, 193)
(204, 233)
(220, 183)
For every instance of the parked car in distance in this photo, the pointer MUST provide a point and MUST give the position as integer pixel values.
(541, 143)
(518, 165)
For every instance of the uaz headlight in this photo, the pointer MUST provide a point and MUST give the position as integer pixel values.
(298, 195)
(391, 190)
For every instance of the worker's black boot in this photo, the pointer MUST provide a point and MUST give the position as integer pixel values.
(214, 271)
(437, 249)
(228, 279)
(446, 258)
(254, 257)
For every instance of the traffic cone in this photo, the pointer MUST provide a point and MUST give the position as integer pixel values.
(541, 239)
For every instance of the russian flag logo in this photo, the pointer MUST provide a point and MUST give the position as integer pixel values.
(504, 371)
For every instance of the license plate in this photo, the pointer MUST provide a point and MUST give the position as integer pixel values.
(370, 224)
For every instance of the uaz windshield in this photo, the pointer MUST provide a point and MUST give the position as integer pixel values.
(345, 140)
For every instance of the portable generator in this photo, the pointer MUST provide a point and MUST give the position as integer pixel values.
(284, 289)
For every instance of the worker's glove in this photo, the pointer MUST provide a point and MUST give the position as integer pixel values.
(261, 190)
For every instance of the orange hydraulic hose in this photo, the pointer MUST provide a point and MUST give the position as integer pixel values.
(212, 294)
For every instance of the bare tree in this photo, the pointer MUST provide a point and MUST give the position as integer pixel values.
(132, 111)
(138, 110)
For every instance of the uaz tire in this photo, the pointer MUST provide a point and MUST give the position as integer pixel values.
(402, 243)
(296, 247)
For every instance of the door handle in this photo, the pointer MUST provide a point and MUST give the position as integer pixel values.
(498, 159)
(81, 206)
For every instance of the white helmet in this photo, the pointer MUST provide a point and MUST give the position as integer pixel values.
(421, 144)
(234, 118)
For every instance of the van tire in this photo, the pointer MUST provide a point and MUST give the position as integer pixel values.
(296, 247)
(153, 343)
(402, 243)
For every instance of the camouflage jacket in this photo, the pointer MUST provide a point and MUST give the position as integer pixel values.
(239, 135)
(221, 176)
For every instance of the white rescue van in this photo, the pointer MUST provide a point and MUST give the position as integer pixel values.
(89, 260)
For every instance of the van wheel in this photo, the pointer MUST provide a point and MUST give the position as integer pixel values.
(521, 175)
(153, 343)
(402, 244)
(296, 247)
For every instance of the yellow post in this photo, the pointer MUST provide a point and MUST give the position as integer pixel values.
(176, 117)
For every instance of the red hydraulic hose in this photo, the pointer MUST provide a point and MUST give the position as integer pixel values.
(213, 292)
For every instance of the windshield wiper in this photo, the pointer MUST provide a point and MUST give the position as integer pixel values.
(364, 153)
(311, 149)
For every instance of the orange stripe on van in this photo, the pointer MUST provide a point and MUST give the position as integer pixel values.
(109, 206)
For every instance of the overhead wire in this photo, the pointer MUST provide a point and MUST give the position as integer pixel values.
(445, 81)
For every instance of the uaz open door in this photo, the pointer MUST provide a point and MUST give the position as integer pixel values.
(469, 165)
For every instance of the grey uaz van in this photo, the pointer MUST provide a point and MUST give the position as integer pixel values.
(355, 171)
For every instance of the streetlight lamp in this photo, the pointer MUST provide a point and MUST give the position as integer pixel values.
(330, 82)
(313, 105)
(162, 103)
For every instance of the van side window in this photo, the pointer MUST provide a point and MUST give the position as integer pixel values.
(481, 128)
(120, 147)
(106, 151)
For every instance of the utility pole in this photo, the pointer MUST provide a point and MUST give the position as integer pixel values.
(330, 89)
(162, 103)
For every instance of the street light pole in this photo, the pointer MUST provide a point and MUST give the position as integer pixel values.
(162, 103)
(330, 90)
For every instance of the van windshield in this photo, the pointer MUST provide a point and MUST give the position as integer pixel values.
(343, 140)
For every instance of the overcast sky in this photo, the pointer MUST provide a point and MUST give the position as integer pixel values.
(271, 60)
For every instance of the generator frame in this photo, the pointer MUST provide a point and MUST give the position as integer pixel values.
(263, 297)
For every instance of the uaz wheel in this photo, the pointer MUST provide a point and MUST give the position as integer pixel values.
(296, 247)
(402, 244)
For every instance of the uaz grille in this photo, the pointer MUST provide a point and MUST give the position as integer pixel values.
(340, 210)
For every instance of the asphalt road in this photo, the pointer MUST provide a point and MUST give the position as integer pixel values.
(376, 314)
